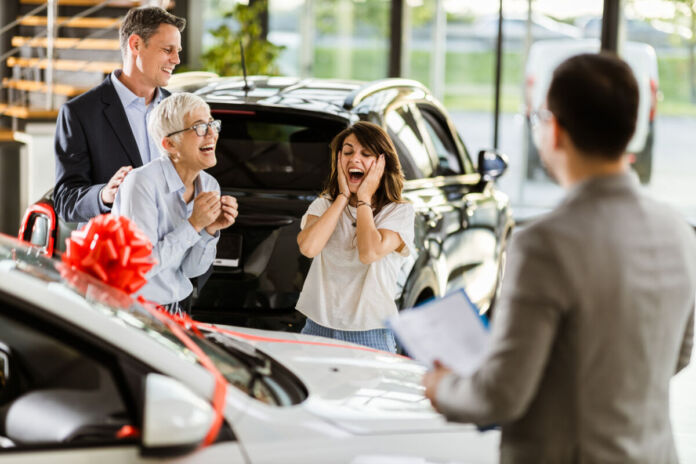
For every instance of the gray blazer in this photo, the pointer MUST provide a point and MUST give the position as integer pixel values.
(596, 315)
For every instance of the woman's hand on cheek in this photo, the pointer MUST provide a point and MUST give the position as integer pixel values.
(371, 181)
(343, 188)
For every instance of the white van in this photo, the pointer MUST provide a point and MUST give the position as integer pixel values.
(546, 55)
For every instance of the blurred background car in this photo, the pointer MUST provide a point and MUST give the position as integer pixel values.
(546, 55)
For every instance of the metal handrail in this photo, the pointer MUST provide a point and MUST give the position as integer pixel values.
(51, 29)
(9, 26)
(50, 33)
(67, 22)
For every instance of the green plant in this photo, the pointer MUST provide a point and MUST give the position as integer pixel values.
(225, 58)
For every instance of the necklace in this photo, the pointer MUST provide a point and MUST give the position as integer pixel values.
(353, 219)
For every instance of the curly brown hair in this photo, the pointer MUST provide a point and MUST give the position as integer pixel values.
(375, 139)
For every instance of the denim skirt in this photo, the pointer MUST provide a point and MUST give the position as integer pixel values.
(379, 339)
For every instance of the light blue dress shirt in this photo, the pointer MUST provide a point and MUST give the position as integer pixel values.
(152, 197)
(137, 113)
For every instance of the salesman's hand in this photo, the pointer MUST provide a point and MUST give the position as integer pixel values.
(206, 209)
(432, 379)
(227, 215)
(108, 192)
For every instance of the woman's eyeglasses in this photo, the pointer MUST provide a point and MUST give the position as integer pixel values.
(201, 129)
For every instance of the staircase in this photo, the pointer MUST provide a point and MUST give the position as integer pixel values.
(50, 51)
(59, 49)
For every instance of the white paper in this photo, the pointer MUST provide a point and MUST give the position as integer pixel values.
(448, 329)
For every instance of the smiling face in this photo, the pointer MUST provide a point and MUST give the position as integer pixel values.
(355, 162)
(156, 59)
(192, 152)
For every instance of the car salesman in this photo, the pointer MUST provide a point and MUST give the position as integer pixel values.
(597, 307)
(102, 134)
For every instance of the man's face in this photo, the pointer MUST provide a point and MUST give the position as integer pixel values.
(157, 59)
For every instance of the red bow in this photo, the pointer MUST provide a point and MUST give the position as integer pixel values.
(111, 249)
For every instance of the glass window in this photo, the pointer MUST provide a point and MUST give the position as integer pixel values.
(47, 381)
(345, 39)
(273, 151)
(413, 154)
(448, 162)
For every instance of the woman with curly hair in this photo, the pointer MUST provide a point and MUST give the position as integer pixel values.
(359, 231)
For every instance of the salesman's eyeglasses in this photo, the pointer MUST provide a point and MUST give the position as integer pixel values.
(539, 116)
(201, 128)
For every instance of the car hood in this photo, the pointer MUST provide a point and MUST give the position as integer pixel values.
(357, 388)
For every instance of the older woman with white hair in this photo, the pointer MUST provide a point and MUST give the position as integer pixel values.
(175, 203)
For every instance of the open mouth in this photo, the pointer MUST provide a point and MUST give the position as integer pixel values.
(207, 149)
(355, 175)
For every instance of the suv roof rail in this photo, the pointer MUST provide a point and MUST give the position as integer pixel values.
(359, 94)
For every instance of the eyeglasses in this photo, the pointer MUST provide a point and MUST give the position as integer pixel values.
(539, 116)
(201, 128)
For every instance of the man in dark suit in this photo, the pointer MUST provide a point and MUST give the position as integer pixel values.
(102, 134)
(596, 312)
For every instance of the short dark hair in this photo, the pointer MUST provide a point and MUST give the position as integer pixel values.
(145, 21)
(594, 97)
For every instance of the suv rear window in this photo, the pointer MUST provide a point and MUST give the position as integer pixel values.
(271, 150)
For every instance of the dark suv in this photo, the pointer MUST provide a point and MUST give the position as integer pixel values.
(273, 156)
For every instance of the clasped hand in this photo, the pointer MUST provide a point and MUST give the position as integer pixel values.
(213, 212)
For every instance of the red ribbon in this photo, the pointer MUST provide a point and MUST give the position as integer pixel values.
(176, 324)
(112, 249)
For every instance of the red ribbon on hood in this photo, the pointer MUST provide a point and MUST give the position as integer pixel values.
(112, 249)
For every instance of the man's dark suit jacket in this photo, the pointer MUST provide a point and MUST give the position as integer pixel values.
(93, 140)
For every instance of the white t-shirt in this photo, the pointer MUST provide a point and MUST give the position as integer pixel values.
(342, 293)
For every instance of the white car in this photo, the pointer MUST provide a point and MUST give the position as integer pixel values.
(88, 374)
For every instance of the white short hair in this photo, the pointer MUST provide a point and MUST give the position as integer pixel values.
(169, 116)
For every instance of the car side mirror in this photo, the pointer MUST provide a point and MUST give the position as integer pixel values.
(38, 226)
(491, 164)
(175, 419)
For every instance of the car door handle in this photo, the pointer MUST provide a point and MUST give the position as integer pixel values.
(432, 218)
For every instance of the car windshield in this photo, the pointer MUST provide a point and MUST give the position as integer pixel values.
(273, 150)
(123, 310)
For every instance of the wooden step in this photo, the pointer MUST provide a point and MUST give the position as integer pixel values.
(38, 86)
(66, 21)
(104, 67)
(68, 42)
(24, 112)
(112, 3)
(6, 135)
